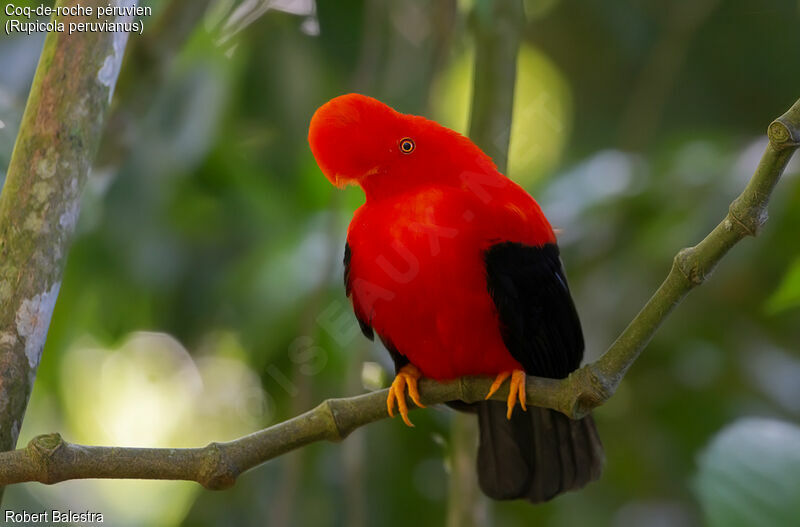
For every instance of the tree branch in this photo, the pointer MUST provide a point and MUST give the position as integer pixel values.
(50, 459)
(40, 201)
(692, 265)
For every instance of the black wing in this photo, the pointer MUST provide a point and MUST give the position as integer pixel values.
(366, 329)
(399, 359)
(540, 326)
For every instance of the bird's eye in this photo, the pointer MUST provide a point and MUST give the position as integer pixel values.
(407, 145)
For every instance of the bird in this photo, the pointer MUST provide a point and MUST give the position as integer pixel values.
(457, 270)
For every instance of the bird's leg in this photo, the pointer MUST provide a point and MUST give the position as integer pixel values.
(497, 382)
(516, 391)
(407, 376)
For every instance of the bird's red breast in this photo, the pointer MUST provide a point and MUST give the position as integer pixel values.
(434, 204)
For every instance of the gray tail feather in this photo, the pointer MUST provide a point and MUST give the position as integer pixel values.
(537, 454)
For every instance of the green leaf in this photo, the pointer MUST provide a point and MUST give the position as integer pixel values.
(749, 475)
(787, 296)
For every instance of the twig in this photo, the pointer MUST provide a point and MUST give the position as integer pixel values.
(50, 459)
(692, 265)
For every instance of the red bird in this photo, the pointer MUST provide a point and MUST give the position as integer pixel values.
(457, 270)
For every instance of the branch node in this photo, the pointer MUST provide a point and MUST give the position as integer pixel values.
(590, 389)
(686, 262)
(781, 135)
(42, 449)
(217, 472)
(328, 407)
(749, 218)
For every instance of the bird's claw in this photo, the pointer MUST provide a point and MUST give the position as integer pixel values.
(516, 391)
(407, 376)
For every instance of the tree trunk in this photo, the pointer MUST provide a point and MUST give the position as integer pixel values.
(40, 201)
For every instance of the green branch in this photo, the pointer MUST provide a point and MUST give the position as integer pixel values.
(40, 202)
(693, 265)
(50, 459)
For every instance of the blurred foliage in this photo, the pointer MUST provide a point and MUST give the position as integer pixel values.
(542, 97)
(214, 232)
(787, 296)
(748, 475)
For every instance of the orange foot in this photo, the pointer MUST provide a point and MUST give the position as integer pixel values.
(408, 375)
(515, 391)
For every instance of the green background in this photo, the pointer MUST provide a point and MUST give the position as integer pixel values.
(203, 300)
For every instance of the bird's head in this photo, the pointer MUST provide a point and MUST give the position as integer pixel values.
(359, 140)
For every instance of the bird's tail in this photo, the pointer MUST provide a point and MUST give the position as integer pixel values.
(535, 455)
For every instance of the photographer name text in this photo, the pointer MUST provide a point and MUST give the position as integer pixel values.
(52, 516)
